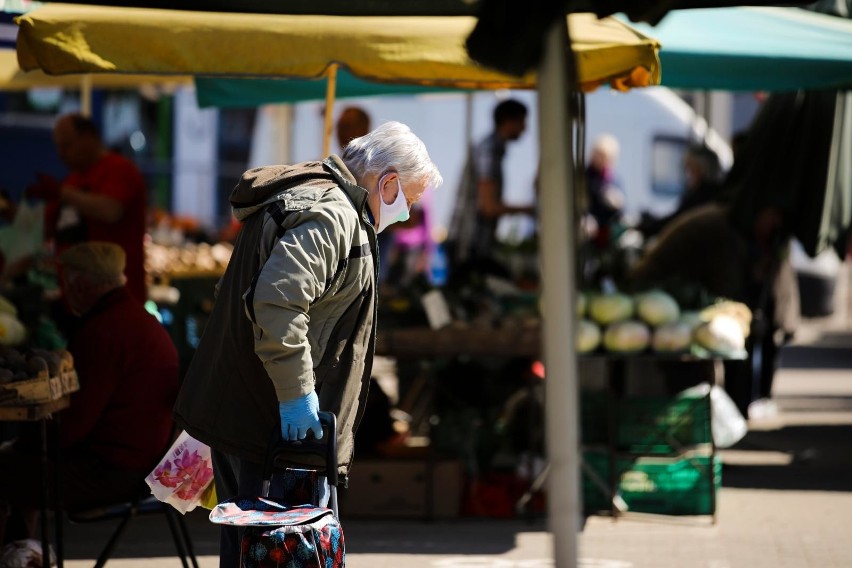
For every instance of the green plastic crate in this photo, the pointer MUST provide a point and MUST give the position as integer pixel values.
(668, 486)
(662, 425)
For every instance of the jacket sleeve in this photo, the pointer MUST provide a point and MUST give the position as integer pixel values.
(296, 273)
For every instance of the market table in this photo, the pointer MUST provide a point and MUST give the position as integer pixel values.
(42, 413)
(524, 340)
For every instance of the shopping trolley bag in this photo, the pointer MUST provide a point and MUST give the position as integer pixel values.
(285, 526)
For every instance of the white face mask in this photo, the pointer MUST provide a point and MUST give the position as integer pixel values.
(396, 212)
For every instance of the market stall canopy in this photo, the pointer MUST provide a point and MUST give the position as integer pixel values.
(12, 78)
(744, 48)
(68, 38)
(637, 8)
(225, 93)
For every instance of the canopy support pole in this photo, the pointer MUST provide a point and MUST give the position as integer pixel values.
(558, 251)
(330, 88)
(86, 95)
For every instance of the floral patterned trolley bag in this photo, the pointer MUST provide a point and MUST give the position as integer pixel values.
(290, 530)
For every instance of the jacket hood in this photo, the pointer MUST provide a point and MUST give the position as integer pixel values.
(260, 186)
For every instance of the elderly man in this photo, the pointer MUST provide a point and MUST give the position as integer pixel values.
(119, 422)
(293, 327)
(103, 198)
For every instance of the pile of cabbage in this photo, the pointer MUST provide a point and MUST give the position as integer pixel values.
(653, 321)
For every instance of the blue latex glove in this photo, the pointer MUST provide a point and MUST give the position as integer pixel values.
(298, 416)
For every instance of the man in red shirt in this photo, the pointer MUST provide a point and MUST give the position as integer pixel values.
(119, 422)
(103, 198)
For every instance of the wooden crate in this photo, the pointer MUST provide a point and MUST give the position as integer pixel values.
(70, 381)
(43, 388)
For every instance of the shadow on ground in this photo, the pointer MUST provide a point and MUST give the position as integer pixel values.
(145, 537)
(819, 459)
(149, 537)
(831, 351)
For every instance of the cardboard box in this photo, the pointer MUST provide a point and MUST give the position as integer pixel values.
(403, 488)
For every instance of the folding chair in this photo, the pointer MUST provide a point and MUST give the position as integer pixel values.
(145, 504)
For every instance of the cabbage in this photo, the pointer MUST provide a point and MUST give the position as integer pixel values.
(610, 308)
(722, 335)
(657, 308)
(737, 310)
(627, 337)
(588, 336)
(672, 337)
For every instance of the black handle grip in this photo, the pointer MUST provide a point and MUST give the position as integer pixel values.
(326, 447)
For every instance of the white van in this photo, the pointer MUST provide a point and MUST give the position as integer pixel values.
(654, 127)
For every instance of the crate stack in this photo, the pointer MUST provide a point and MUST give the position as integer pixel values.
(649, 454)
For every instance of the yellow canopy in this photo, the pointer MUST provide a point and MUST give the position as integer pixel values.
(68, 38)
(12, 78)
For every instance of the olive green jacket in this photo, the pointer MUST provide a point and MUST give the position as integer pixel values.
(294, 312)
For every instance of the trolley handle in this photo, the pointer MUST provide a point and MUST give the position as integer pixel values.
(325, 448)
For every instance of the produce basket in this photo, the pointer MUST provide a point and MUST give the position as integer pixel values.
(36, 376)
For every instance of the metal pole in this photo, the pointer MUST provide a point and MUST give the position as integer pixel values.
(468, 121)
(558, 250)
(86, 95)
(330, 87)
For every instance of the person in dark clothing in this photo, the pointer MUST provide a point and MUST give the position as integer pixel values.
(702, 185)
(119, 422)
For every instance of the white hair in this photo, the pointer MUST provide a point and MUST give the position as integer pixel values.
(608, 145)
(391, 147)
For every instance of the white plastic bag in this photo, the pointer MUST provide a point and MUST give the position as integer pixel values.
(184, 475)
(727, 423)
(24, 554)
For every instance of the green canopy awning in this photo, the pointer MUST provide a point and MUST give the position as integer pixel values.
(750, 49)
(230, 93)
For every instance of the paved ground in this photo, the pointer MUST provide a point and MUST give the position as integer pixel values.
(786, 502)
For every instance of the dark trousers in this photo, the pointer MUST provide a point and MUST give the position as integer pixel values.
(233, 476)
(750, 380)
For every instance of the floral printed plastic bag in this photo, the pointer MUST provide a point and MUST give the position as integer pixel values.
(184, 475)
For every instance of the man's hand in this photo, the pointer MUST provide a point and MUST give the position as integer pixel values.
(47, 188)
(300, 415)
